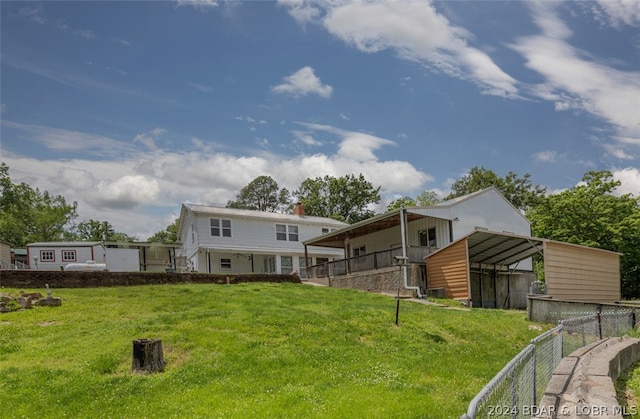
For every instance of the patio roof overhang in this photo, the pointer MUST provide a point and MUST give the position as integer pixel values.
(371, 225)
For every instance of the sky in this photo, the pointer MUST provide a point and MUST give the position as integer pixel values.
(132, 108)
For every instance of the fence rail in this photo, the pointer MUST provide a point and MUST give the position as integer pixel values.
(520, 385)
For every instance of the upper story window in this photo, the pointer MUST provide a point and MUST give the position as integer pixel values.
(47, 256)
(359, 251)
(286, 232)
(68, 255)
(220, 228)
(326, 230)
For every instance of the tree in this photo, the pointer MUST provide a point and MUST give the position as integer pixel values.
(345, 198)
(425, 199)
(28, 215)
(168, 235)
(402, 202)
(590, 215)
(518, 190)
(95, 230)
(262, 194)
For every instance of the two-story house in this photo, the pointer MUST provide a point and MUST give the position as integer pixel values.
(228, 240)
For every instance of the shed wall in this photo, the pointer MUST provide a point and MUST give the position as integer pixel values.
(449, 269)
(581, 274)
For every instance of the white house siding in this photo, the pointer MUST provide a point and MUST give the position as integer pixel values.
(390, 238)
(83, 253)
(253, 239)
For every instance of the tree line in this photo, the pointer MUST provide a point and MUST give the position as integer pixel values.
(588, 214)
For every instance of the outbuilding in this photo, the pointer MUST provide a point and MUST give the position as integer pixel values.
(480, 268)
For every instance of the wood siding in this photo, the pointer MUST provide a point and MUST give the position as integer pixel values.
(581, 274)
(449, 269)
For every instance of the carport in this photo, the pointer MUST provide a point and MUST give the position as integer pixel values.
(482, 268)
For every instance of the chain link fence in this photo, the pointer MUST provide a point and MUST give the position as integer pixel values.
(516, 390)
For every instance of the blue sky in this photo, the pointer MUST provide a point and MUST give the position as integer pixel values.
(131, 108)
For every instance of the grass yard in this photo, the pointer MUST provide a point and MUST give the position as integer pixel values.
(250, 351)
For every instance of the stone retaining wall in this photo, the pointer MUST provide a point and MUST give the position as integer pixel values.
(76, 279)
(582, 385)
(380, 280)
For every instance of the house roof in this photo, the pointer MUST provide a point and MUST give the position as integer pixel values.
(370, 225)
(65, 244)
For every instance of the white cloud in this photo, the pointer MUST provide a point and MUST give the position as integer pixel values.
(303, 82)
(34, 14)
(416, 32)
(302, 11)
(619, 12)
(127, 192)
(201, 87)
(573, 79)
(137, 189)
(630, 180)
(199, 4)
(545, 156)
(149, 138)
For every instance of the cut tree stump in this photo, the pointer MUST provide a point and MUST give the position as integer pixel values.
(147, 356)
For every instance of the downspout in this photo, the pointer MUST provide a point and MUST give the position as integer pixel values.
(404, 254)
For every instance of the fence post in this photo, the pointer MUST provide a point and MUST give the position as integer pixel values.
(514, 392)
(599, 321)
(535, 378)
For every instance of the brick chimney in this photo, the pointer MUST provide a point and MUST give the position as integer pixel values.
(299, 209)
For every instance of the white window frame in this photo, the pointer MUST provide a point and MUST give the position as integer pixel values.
(287, 232)
(69, 252)
(286, 269)
(359, 251)
(225, 264)
(47, 259)
(220, 227)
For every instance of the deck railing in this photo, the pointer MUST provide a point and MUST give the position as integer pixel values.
(368, 262)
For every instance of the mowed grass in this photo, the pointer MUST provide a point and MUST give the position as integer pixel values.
(250, 351)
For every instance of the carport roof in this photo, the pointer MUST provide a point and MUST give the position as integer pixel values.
(499, 248)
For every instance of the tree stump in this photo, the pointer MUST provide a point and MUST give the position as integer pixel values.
(147, 356)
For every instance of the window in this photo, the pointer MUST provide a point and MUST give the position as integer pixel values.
(326, 230)
(225, 264)
(359, 251)
(220, 227)
(269, 264)
(47, 256)
(286, 265)
(302, 263)
(286, 232)
(428, 237)
(68, 255)
(320, 261)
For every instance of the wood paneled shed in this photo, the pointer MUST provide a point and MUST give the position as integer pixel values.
(478, 265)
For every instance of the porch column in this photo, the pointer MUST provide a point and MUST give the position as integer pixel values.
(306, 262)
(347, 253)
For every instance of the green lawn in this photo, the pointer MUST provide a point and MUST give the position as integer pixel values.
(250, 351)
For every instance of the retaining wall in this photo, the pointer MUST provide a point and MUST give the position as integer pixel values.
(71, 279)
(380, 280)
(582, 385)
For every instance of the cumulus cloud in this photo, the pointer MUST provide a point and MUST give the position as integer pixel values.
(136, 190)
(127, 192)
(303, 82)
(630, 180)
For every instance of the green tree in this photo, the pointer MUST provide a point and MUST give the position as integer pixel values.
(262, 194)
(345, 198)
(427, 198)
(590, 214)
(29, 215)
(96, 230)
(402, 202)
(168, 235)
(518, 190)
